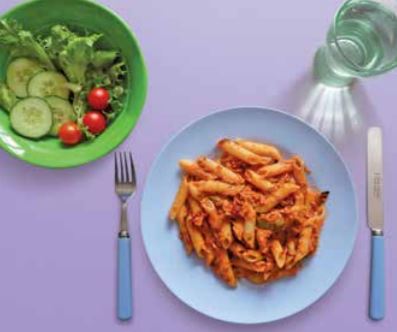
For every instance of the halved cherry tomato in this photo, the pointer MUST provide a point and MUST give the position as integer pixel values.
(95, 122)
(70, 133)
(98, 98)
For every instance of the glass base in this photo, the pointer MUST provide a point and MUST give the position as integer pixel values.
(325, 71)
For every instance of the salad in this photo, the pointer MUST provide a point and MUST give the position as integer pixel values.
(61, 83)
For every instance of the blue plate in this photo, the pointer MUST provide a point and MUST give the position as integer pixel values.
(196, 285)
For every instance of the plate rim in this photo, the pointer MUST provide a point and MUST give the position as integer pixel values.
(173, 136)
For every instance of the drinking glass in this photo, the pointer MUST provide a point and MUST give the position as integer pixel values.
(361, 42)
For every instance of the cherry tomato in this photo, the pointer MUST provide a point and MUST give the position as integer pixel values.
(98, 98)
(70, 133)
(95, 122)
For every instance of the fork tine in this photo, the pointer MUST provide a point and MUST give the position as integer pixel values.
(116, 169)
(127, 169)
(132, 167)
(123, 168)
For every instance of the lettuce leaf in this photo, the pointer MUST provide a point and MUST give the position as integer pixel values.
(7, 97)
(77, 56)
(102, 59)
(20, 42)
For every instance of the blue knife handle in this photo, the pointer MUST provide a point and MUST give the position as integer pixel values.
(377, 291)
(124, 293)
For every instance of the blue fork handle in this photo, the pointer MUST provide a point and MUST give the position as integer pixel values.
(124, 292)
(377, 291)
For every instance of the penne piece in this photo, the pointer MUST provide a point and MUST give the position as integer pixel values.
(220, 171)
(261, 149)
(214, 219)
(183, 232)
(277, 196)
(179, 200)
(275, 169)
(223, 268)
(198, 242)
(217, 187)
(258, 181)
(225, 235)
(249, 225)
(242, 153)
(193, 169)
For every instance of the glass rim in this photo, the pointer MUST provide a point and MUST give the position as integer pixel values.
(358, 70)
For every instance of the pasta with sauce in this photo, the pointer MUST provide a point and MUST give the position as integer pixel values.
(250, 213)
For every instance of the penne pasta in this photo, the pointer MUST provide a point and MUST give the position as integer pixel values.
(249, 214)
(252, 256)
(279, 254)
(299, 172)
(249, 225)
(257, 278)
(216, 187)
(278, 274)
(179, 200)
(209, 238)
(220, 171)
(213, 217)
(274, 219)
(225, 235)
(183, 232)
(260, 149)
(242, 153)
(196, 212)
(193, 191)
(258, 181)
(262, 237)
(291, 252)
(304, 243)
(275, 169)
(237, 249)
(259, 266)
(223, 268)
(249, 255)
(191, 168)
(277, 196)
(217, 200)
(300, 198)
(198, 242)
(238, 229)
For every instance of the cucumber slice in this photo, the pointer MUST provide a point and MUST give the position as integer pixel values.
(19, 72)
(48, 83)
(31, 117)
(62, 111)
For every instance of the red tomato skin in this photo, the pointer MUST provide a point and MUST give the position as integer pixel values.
(95, 122)
(98, 99)
(70, 133)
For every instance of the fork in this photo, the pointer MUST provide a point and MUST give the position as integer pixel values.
(125, 185)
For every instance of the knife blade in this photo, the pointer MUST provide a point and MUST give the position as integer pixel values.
(375, 180)
(376, 223)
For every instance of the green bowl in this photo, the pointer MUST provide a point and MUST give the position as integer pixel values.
(49, 152)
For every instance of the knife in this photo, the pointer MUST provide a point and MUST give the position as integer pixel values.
(376, 223)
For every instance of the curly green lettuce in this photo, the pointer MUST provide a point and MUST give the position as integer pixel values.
(77, 56)
(103, 59)
(56, 41)
(20, 43)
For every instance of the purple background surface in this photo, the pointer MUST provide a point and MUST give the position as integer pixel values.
(58, 228)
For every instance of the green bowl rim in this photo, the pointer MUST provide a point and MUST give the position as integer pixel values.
(94, 156)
